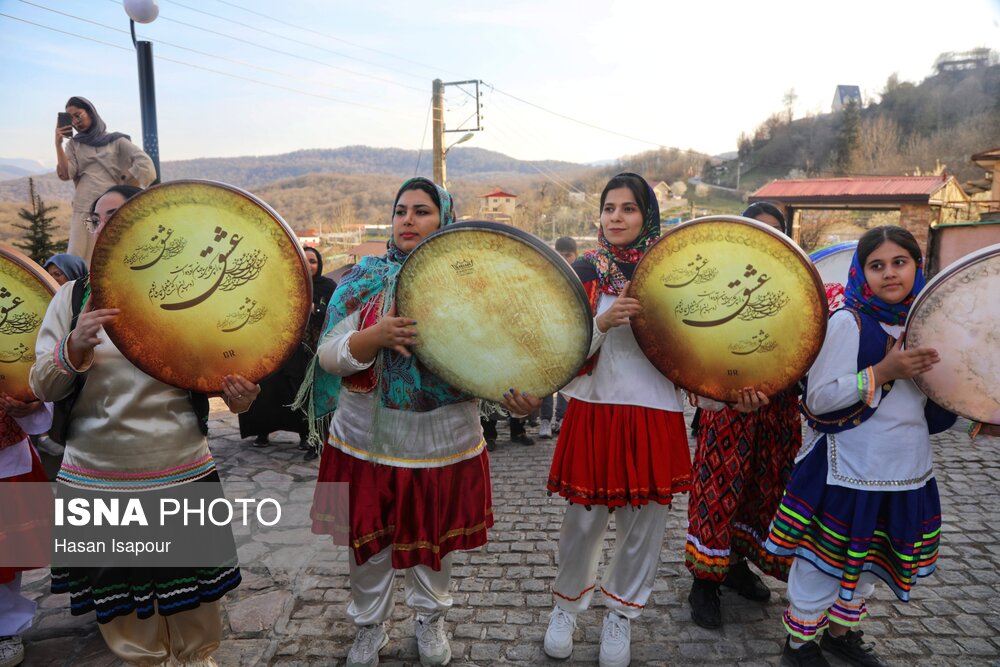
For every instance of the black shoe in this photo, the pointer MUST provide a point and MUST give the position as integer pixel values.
(808, 655)
(706, 608)
(746, 583)
(304, 444)
(310, 455)
(490, 444)
(261, 441)
(523, 439)
(852, 648)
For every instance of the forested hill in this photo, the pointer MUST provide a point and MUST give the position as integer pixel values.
(908, 128)
(252, 171)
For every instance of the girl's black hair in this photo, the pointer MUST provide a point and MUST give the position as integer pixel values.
(757, 208)
(126, 191)
(424, 186)
(637, 186)
(876, 236)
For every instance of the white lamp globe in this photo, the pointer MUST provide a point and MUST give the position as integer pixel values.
(142, 11)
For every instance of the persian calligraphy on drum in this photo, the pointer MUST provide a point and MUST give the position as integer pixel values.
(727, 302)
(25, 292)
(210, 281)
(496, 308)
(957, 314)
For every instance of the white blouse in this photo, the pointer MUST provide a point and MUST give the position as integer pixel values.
(623, 375)
(891, 451)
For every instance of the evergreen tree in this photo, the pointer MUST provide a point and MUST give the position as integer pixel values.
(38, 242)
(847, 138)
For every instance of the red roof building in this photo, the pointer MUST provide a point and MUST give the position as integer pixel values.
(498, 205)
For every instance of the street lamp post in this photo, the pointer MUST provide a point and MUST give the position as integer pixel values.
(146, 11)
(444, 154)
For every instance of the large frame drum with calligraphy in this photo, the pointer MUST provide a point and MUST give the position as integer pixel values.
(210, 282)
(495, 308)
(25, 292)
(728, 302)
(957, 314)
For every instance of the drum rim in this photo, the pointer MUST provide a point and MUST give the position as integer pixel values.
(832, 249)
(960, 264)
(274, 215)
(529, 239)
(30, 266)
(804, 258)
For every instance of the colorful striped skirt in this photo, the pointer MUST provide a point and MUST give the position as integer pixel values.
(844, 532)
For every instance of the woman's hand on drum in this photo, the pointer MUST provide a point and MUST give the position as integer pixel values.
(749, 400)
(900, 364)
(620, 311)
(17, 408)
(239, 393)
(519, 404)
(85, 338)
(396, 333)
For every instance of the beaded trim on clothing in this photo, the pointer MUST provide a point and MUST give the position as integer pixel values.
(81, 478)
(61, 357)
(832, 440)
(401, 462)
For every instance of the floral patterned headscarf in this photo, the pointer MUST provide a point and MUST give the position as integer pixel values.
(606, 259)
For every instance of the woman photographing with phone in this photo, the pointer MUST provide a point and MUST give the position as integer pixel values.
(95, 160)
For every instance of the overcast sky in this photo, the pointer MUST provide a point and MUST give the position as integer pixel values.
(326, 73)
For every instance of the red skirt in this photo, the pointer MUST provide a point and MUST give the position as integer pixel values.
(422, 514)
(15, 516)
(619, 455)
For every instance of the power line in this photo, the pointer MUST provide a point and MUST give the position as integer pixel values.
(279, 36)
(575, 120)
(206, 69)
(287, 53)
(333, 37)
(170, 44)
(423, 137)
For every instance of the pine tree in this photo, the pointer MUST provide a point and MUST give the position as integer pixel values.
(847, 138)
(38, 242)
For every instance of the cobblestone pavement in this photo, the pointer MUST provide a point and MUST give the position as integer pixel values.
(295, 617)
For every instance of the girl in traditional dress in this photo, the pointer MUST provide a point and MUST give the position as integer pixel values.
(742, 462)
(623, 443)
(124, 432)
(862, 503)
(405, 472)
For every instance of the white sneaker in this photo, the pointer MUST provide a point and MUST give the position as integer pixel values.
(559, 637)
(556, 425)
(545, 430)
(11, 651)
(367, 643)
(616, 640)
(432, 644)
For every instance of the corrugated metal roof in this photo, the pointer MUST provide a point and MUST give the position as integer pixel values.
(861, 187)
(990, 156)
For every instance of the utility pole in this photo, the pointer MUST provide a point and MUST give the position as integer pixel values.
(437, 122)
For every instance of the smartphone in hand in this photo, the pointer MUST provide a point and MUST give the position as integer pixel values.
(63, 120)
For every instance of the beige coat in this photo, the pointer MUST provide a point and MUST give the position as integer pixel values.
(93, 171)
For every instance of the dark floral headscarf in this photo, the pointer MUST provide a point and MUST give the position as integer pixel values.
(858, 295)
(614, 265)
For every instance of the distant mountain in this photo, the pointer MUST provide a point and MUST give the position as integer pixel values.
(19, 168)
(252, 171)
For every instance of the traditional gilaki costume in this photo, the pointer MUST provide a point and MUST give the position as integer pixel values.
(623, 444)
(19, 463)
(862, 503)
(410, 448)
(742, 463)
(126, 432)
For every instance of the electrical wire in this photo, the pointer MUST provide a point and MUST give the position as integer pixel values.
(423, 137)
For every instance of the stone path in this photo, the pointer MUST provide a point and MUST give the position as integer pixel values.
(294, 617)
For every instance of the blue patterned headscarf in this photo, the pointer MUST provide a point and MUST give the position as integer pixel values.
(858, 295)
(403, 382)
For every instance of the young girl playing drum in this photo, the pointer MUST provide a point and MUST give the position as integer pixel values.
(623, 443)
(407, 445)
(862, 503)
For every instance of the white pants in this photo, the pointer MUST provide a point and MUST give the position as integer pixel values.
(814, 600)
(628, 579)
(16, 611)
(426, 591)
